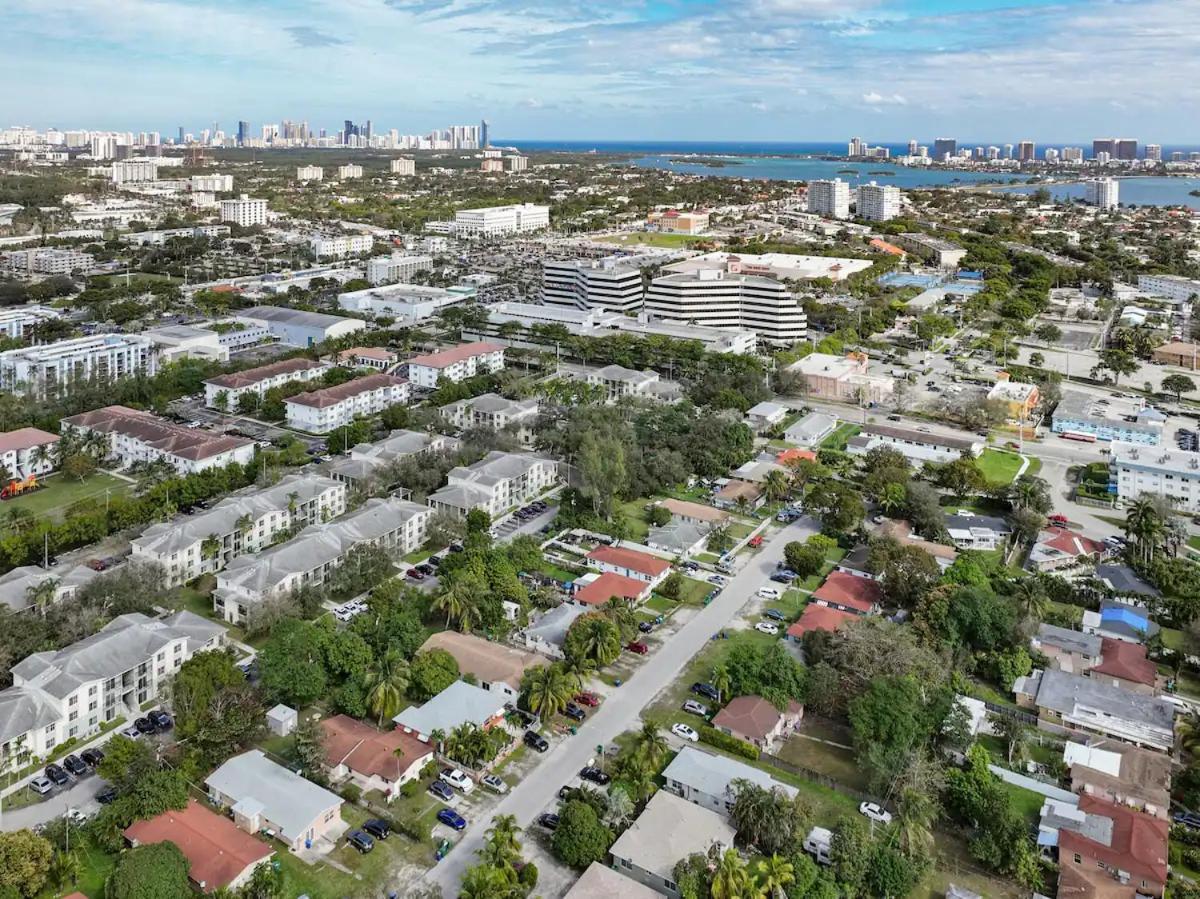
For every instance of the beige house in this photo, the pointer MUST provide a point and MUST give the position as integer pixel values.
(497, 668)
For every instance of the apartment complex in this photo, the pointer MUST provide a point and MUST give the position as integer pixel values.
(1172, 287)
(245, 211)
(321, 411)
(495, 484)
(397, 267)
(1103, 193)
(27, 451)
(403, 165)
(941, 253)
(213, 184)
(1159, 471)
(249, 521)
(136, 437)
(497, 221)
(310, 173)
(613, 284)
(47, 261)
(368, 460)
(338, 246)
(718, 299)
(53, 368)
(463, 361)
(495, 412)
(829, 198)
(17, 321)
(308, 558)
(259, 380)
(878, 202)
(348, 171)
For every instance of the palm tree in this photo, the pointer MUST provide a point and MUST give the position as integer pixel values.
(915, 812)
(772, 875)
(385, 684)
(451, 602)
(578, 670)
(731, 880)
(1025, 493)
(42, 594)
(618, 611)
(599, 639)
(1189, 733)
(892, 497)
(64, 868)
(1144, 526)
(1030, 597)
(502, 846)
(775, 485)
(721, 680)
(650, 747)
(548, 689)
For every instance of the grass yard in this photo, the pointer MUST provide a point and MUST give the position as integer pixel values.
(665, 708)
(832, 761)
(94, 867)
(694, 591)
(841, 436)
(660, 605)
(634, 511)
(999, 467)
(556, 571)
(651, 239)
(60, 493)
(195, 597)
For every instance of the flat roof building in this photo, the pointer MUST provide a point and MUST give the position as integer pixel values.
(718, 299)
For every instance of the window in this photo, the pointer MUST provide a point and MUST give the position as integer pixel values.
(625, 863)
(1078, 859)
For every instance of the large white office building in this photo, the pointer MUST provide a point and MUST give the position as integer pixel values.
(717, 299)
(405, 303)
(337, 246)
(613, 284)
(1156, 471)
(829, 198)
(15, 321)
(321, 411)
(397, 268)
(213, 184)
(52, 368)
(134, 171)
(496, 221)
(1103, 193)
(878, 202)
(244, 211)
(403, 165)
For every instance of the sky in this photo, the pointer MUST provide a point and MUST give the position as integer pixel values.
(754, 70)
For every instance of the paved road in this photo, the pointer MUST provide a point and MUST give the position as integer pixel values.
(621, 711)
(80, 794)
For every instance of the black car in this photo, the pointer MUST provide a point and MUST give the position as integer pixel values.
(595, 775)
(774, 615)
(708, 691)
(107, 795)
(360, 841)
(57, 775)
(92, 756)
(456, 547)
(548, 821)
(144, 726)
(534, 740)
(377, 828)
(433, 562)
(161, 720)
(426, 569)
(574, 712)
(76, 765)
(565, 793)
(1187, 819)
(646, 627)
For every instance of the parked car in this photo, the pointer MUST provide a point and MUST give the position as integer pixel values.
(755, 541)
(107, 795)
(690, 566)
(360, 841)
(780, 577)
(574, 712)
(706, 690)
(875, 812)
(638, 646)
(493, 783)
(144, 725)
(769, 592)
(457, 779)
(58, 775)
(76, 765)
(591, 700)
(452, 819)
(77, 816)
(1187, 819)
(595, 775)
(646, 627)
(690, 705)
(377, 828)
(132, 732)
(536, 741)
(441, 790)
(161, 720)
(415, 575)
(765, 627)
(684, 732)
(716, 579)
(547, 820)
(774, 615)
(92, 756)
(426, 569)
(41, 785)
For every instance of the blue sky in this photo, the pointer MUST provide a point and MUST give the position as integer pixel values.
(790, 70)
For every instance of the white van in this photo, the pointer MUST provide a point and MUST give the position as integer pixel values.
(817, 844)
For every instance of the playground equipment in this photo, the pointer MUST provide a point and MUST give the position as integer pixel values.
(16, 487)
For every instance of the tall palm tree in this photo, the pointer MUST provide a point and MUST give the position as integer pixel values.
(502, 843)
(1144, 526)
(385, 683)
(548, 689)
(1030, 597)
(892, 498)
(776, 485)
(772, 875)
(619, 612)
(650, 747)
(915, 813)
(599, 639)
(450, 602)
(42, 594)
(721, 680)
(731, 880)
(1025, 493)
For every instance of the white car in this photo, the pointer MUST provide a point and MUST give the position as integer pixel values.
(875, 812)
(457, 779)
(764, 627)
(684, 732)
(769, 593)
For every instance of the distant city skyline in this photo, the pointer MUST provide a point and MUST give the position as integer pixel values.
(750, 70)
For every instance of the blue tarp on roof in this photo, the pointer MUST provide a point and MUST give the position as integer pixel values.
(1129, 617)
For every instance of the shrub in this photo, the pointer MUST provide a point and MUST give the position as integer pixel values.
(722, 740)
(412, 828)
(351, 793)
(528, 876)
(410, 789)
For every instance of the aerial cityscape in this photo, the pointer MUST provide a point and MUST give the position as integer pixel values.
(742, 449)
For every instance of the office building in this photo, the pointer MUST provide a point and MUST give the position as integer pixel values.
(52, 369)
(243, 133)
(944, 147)
(1153, 153)
(829, 198)
(613, 284)
(497, 221)
(456, 364)
(1103, 193)
(719, 299)
(160, 237)
(1026, 151)
(1126, 149)
(397, 267)
(1106, 145)
(484, 139)
(404, 303)
(324, 410)
(673, 221)
(1080, 415)
(214, 184)
(843, 378)
(402, 165)
(338, 246)
(1156, 471)
(878, 202)
(244, 211)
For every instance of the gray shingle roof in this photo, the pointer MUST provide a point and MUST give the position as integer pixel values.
(1069, 640)
(23, 710)
(1062, 692)
(712, 774)
(457, 704)
(669, 829)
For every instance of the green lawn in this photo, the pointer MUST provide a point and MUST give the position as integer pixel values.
(1194, 542)
(694, 591)
(840, 764)
(998, 466)
(94, 867)
(557, 571)
(59, 493)
(841, 436)
(665, 709)
(650, 239)
(195, 597)
(634, 511)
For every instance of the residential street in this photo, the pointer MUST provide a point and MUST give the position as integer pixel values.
(621, 711)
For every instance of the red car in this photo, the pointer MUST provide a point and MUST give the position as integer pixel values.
(415, 575)
(591, 700)
(756, 541)
(1060, 520)
(639, 647)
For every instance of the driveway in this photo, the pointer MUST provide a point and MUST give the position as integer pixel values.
(80, 794)
(621, 711)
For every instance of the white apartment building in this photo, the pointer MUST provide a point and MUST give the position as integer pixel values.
(47, 261)
(52, 368)
(135, 436)
(310, 173)
(397, 268)
(28, 451)
(1156, 471)
(348, 171)
(496, 221)
(321, 411)
(308, 558)
(829, 198)
(134, 171)
(71, 692)
(1173, 287)
(158, 238)
(403, 165)
(941, 253)
(259, 380)
(463, 361)
(325, 246)
(244, 211)
(368, 459)
(613, 284)
(517, 163)
(15, 321)
(214, 184)
(718, 299)
(496, 484)
(495, 412)
(619, 382)
(1103, 193)
(247, 522)
(878, 202)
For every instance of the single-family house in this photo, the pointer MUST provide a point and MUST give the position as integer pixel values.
(766, 415)
(1060, 548)
(1120, 773)
(1124, 664)
(695, 513)
(1120, 621)
(601, 882)
(1071, 651)
(970, 531)
(738, 493)
(902, 532)
(848, 593)
(707, 779)
(811, 429)
(547, 633)
(819, 618)
(597, 589)
(1106, 846)
(369, 758)
(496, 667)
(1126, 583)
(678, 537)
(755, 720)
(460, 703)
(630, 563)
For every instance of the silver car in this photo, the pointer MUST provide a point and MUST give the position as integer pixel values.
(695, 708)
(493, 783)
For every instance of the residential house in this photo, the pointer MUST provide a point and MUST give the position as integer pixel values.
(460, 703)
(1057, 548)
(848, 593)
(917, 446)
(764, 416)
(368, 460)
(1103, 846)
(857, 562)
(220, 856)
(547, 633)
(811, 429)
(739, 494)
(1019, 399)
(28, 451)
(597, 589)
(497, 483)
(619, 382)
(226, 391)
(706, 779)
(1126, 584)
(695, 513)
(600, 882)
(496, 667)
(629, 563)
(456, 364)
(984, 532)
(496, 413)
(372, 759)
(1071, 651)
(678, 537)
(755, 720)
(1120, 621)
(1124, 664)
(670, 828)
(325, 410)
(902, 532)
(817, 617)
(1120, 773)
(264, 796)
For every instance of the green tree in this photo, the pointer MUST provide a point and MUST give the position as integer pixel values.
(602, 470)
(803, 558)
(769, 820)
(25, 862)
(215, 708)
(593, 637)
(889, 721)
(547, 690)
(126, 762)
(1178, 385)
(1144, 526)
(581, 837)
(1117, 361)
(650, 747)
(430, 673)
(156, 871)
(772, 874)
(386, 682)
(731, 879)
(292, 664)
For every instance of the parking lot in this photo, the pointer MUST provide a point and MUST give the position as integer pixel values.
(1187, 439)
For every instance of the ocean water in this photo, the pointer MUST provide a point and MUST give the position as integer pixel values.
(1136, 191)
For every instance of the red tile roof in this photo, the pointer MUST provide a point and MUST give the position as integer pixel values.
(1070, 542)
(162, 435)
(1138, 845)
(608, 585)
(849, 590)
(789, 454)
(370, 752)
(25, 438)
(1127, 661)
(448, 357)
(251, 376)
(216, 848)
(331, 396)
(631, 559)
(819, 618)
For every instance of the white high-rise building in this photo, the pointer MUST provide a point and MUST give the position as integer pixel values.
(244, 211)
(517, 163)
(348, 171)
(50, 369)
(857, 147)
(829, 198)
(878, 202)
(1103, 193)
(494, 221)
(717, 299)
(103, 146)
(310, 173)
(215, 184)
(402, 165)
(134, 171)
(397, 268)
(1072, 154)
(613, 284)
(1156, 471)
(1153, 153)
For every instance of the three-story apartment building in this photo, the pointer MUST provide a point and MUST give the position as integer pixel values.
(321, 411)
(496, 483)
(259, 380)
